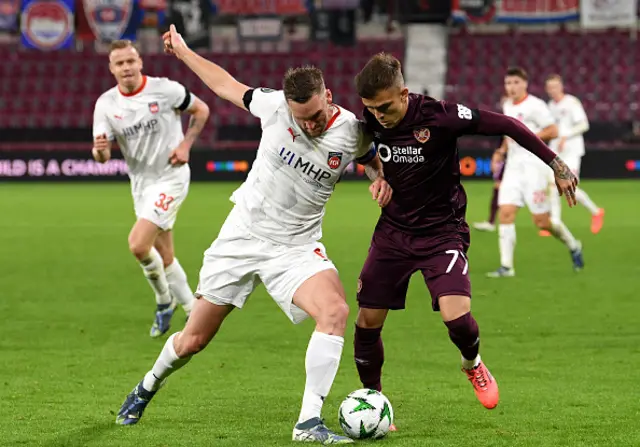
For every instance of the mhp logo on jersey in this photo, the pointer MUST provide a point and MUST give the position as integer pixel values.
(47, 25)
(334, 159)
(153, 107)
(108, 19)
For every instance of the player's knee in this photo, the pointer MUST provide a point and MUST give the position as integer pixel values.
(542, 221)
(506, 216)
(138, 249)
(371, 318)
(333, 315)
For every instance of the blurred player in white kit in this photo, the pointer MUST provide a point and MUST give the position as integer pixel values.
(142, 114)
(572, 124)
(526, 178)
(272, 234)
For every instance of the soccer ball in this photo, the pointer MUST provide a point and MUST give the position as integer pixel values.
(365, 414)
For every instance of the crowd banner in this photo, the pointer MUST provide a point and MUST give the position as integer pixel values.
(233, 165)
(108, 20)
(47, 24)
(608, 13)
(516, 11)
(9, 10)
(191, 18)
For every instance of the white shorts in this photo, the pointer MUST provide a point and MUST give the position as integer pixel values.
(159, 201)
(526, 186)
(574, 162)
(236, 263)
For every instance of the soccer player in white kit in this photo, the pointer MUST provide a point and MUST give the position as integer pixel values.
(526, 178)
(142, 114)
(572, 124)
(272, 234)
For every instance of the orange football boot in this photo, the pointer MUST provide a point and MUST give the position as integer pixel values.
(544, 233)
(484, 385)
(597, 220)
(392, 427)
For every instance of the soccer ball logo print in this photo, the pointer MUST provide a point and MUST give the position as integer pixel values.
(153, 107)
(334, 160)
(422, 135)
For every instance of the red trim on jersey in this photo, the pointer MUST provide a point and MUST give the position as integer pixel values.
(515, 103)
(333, 118)
(136, 91)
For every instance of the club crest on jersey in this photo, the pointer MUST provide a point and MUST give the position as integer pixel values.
(154, 107)
(334, 160)
(422, 135)
(108, 19)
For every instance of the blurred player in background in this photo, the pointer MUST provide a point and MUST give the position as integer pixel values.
(497, 171)
(423, 228)
(142, 114)
(526, 179)
(572, 124)
(272, 234)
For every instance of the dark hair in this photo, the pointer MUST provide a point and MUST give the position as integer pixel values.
(554, 77)
(383, 71)
(301, 83)
(120, 44)
(519, 72)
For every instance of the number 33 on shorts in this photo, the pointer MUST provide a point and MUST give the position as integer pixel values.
(163, 202)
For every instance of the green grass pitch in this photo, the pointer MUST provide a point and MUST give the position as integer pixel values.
(76, 310)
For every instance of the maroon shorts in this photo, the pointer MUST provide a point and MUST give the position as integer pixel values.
(395, 255)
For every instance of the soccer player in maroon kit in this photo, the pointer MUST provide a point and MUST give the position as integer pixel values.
(423, 228)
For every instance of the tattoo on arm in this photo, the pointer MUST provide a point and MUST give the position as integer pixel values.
(561, 169)
(196, 124)
(372, 172)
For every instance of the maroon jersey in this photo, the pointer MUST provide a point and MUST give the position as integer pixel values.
(421, 163)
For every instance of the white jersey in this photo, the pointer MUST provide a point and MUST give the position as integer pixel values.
(533, 113)
(147, 125)
(284, 196)
(567, 113)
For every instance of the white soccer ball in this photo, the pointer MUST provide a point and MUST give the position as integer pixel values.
(365, 414)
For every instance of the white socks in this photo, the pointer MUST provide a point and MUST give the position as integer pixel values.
(155, 274)
(584, 200)
(177, 279)
(555, 201)
(507, 243)
(470, 364)
(168, 362)
(560, 230)
(321, 363)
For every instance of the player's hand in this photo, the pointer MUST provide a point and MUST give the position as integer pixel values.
(180, 155)
(566, 181)
(173, 42)
(381, 192)
(561, 144)
(496, 160)
(101, 143)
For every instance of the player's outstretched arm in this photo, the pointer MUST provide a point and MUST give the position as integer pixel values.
(548, 133)
(217, 78)
(102, 134)
(490, 123)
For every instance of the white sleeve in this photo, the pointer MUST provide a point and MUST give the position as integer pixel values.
(578, 115)
(101, 124)
(544, 117)
(265, 102)
(180, 98)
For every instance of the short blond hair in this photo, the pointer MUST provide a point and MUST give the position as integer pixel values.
(554, 77)
(121, 44)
